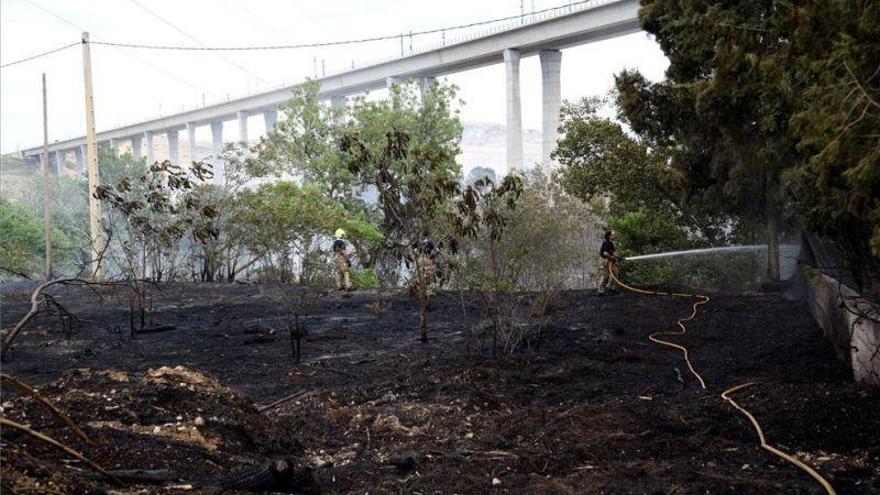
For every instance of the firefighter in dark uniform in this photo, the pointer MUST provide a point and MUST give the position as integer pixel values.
(609, 261)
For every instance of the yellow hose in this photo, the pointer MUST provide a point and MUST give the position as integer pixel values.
(654, 337)
(724, 395)
(818, 477)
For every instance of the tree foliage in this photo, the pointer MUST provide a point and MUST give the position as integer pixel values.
(837, 190)
(631, 184)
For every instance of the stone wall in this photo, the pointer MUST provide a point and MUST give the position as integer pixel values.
(849, 321)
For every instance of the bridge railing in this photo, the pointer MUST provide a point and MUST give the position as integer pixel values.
(503, 26)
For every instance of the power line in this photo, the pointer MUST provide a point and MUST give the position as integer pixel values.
(184, 33)
(203, 47)
(125, 52)
(65, 47)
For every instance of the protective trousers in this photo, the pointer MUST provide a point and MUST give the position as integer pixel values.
(604, 278)
(344, 276)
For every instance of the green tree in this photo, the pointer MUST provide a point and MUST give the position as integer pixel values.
(837, 189)
(282, 221)
(22, 244)
(632, 184)
(724, 108)
(405, 149)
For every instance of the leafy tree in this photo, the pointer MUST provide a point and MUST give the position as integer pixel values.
(405, 148)
(283, 221)
(723, 110)
(631, 183)
(22, 246)
(837, 189)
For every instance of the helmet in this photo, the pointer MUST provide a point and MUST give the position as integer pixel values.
(340, 233)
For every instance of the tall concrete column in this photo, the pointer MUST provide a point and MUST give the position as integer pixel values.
(173, 147)
(148, 143)
(80, 152)
(425, 84)
(242, 128)
(339, 102)
(551, 94)
(136, 149)
(217, 151)
(56, 159)
(270, 117)
(114, 146)
(217, 138)
(392, 80)
(191, 141)
(514, 112)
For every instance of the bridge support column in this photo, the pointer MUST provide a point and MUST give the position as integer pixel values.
(390, 82)
(136, 150)
(242, 128)
(551, 94)
(36, 162)
(514, 112)
(191, 141)
(219, 167)
(425, 84)
(173, 147)
(339, 103)
(114, 146)
(80, 152)
(148, 142)
(270, 117)
(57, 161)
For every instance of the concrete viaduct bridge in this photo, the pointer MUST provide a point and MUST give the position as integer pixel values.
(545, 36)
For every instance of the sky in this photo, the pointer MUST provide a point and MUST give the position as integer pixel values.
(131, 85)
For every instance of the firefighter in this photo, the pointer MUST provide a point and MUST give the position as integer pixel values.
(343, 263)
(609, 261)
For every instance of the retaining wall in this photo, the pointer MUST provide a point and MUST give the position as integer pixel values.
(849, 321)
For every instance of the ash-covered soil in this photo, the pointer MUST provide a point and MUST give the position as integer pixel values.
(595, 408)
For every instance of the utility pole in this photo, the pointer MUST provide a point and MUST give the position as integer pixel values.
(92, 159)
(47, 207)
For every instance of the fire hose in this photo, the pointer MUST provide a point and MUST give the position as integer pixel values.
(655, 337)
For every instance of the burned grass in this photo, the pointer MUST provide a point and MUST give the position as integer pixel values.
(595, 408)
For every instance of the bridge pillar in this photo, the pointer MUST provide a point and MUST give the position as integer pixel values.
(339, 102)
(514, 112)
(551, 94)
(391, 81)
(114, 146)
(136, 147)
(217, 151)
(148, 141)
(57, 160)
(270, 117)
(242, 128)
(425, 84)
(36, 162)
(173, 147)
(191, 141)
(80, 153)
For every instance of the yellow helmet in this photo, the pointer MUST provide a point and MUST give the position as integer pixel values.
(340, 233)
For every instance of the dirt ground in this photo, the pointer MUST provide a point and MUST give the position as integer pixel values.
(596, 408)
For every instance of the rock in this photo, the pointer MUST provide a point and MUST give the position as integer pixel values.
(199, 421)
(496, 482)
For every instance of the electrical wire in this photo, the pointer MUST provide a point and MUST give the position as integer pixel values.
(55, 50)
(184, 33)
(125, 52)
(335, 43)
